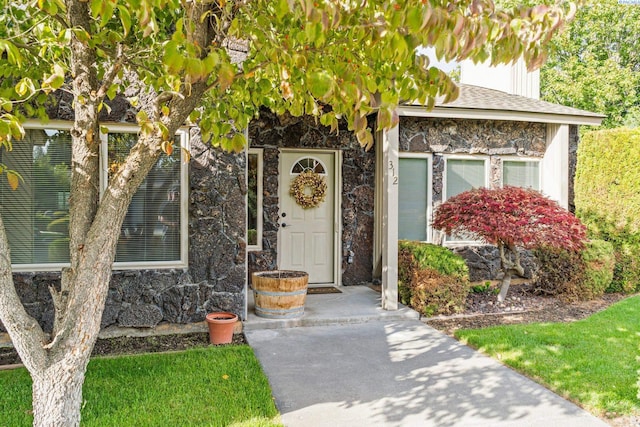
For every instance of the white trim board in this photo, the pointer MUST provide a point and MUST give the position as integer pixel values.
(477, 114)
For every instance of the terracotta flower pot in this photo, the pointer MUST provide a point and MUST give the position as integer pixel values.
(221, 325)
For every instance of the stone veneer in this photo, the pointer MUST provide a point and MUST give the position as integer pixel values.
(271, 133)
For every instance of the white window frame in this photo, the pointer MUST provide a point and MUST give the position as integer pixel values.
(184, 191)
(487, 168)
(259, 199)
(429, 159)
(523, 160)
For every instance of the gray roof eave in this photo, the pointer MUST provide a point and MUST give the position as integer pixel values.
(475, 102)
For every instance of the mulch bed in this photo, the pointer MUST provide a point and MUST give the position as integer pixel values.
(136, 345)
(522, 305)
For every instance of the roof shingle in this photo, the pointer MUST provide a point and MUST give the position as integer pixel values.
(481, 98)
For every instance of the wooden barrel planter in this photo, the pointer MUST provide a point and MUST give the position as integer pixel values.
(279, 294)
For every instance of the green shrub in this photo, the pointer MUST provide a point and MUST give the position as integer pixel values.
(434, 293)
(599, 260)
(626, 276)
(607, 198)
(626, 245)
(436, 257)
(431, 279)
(576, 276)
(558, 271)
(607, 180)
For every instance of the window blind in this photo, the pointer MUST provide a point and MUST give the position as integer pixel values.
(463, 175)
(151, 228)
(36, 214)
(521, 174)
(412, 199)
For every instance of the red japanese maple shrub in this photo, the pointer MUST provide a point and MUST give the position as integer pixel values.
(510, 218)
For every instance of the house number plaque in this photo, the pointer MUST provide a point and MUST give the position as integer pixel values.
(394, 177)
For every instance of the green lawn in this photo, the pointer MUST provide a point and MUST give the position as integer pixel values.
(592, 362)
(214, 386)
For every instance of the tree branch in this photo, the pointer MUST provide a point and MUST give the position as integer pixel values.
(111, 74)
(517, 266)
(26, 334)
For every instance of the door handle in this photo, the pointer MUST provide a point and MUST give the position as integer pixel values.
(283, 225)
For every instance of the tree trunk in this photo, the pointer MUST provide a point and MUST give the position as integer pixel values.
(57, 394)
(58, 363)
(509, 267)
(504, 286)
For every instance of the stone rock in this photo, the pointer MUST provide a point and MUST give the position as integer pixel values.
(47, 319)
(172, 305)
(140, 316)
(472, 136)
(484, 262)
(190, 302)
(233, 282)
(224, 301)
(110, 315)
(25, 288)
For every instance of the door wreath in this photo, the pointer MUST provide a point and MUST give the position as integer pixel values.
(300, 186)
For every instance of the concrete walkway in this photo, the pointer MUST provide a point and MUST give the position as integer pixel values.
(359, 369)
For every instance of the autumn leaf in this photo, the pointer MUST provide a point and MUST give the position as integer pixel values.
(186, 155)
(13, 178)
(167, 147)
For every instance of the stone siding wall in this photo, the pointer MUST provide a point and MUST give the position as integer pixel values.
(489, 137)
(495, 139)
(215, 277)
(271, 133)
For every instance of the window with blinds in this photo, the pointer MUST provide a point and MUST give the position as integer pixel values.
(36, 214)
(462, 175)
(521, 173)
(151, 229)
(413, 186)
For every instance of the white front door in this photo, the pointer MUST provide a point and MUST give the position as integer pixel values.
(306, 240)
